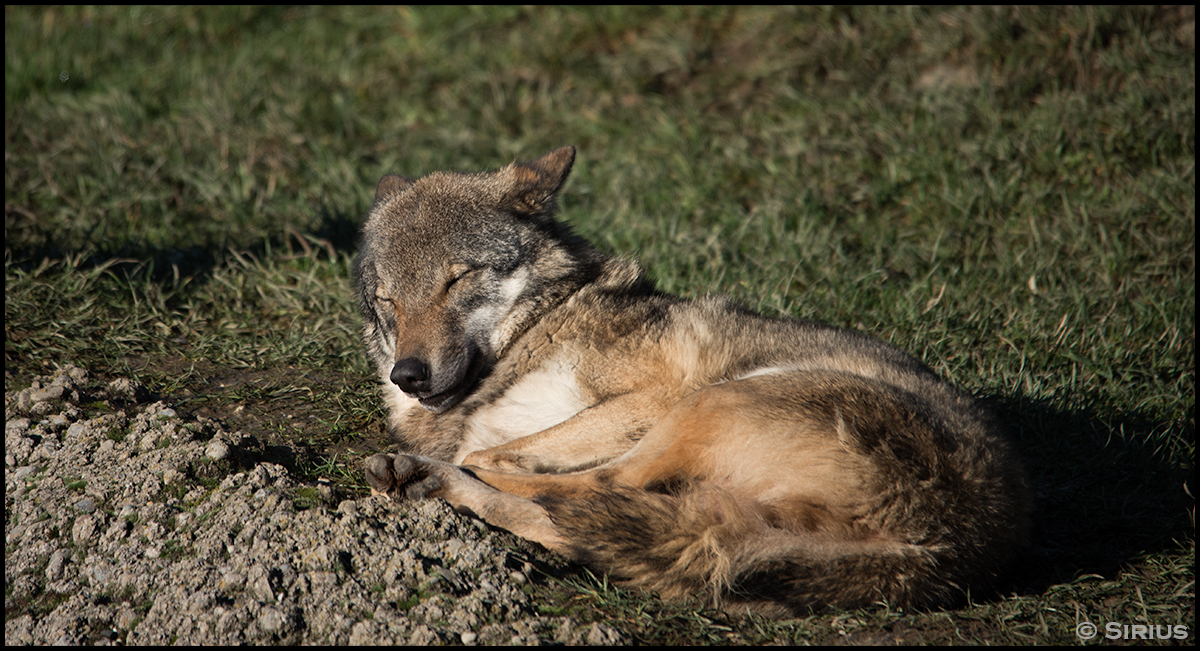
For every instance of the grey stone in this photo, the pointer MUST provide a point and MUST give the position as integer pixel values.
(234, 564)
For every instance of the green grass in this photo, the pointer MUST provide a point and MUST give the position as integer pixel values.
(1007, 193)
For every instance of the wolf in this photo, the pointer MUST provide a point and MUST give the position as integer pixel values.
(687, 447)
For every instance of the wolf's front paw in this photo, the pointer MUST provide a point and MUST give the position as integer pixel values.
(380, 478)
(388, 475)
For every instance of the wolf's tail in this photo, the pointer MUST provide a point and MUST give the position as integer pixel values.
(699, 542)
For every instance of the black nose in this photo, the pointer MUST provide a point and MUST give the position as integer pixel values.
(411, 375)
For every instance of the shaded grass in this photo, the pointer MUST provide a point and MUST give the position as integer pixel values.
(1007, 193)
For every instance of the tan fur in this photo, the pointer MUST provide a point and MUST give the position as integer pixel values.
(686, 447)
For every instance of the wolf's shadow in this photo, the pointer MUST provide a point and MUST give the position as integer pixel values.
(1107, 489)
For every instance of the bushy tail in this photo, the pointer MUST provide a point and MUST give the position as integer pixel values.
(699, 542)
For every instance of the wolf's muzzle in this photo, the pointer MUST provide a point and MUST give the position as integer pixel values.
(411, 375)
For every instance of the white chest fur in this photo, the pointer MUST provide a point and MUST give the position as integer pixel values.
(540, 400)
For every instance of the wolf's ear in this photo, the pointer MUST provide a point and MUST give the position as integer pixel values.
(535, 183)
(391, 185)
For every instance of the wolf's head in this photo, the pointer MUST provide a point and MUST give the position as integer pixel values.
(452, 267)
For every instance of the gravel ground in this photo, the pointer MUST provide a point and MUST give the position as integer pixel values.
(127, 523)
